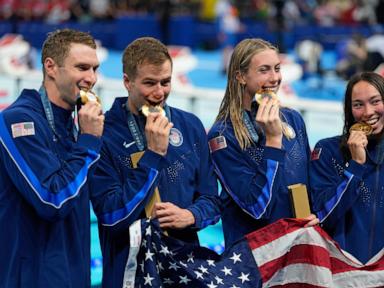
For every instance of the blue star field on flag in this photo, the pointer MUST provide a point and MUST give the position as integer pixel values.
(166, 262)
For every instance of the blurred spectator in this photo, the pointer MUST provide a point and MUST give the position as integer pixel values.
(291, 13)
(58, 11)
(365, 12)
(207, 10)
(39, 9)
(262, 9)
(230, 26)
(164, 11)
(347, 15)
(375, 43)
(101, 9)
(277, 22)
(306, 8)
(379, 12)
(375, 48)
(122, 8)
(354, 57)
(326, 13)
(7, 8)
(79, 11)
(186, 7)
(23, 9)
(309, 53)
(359, 54)
(280, 15)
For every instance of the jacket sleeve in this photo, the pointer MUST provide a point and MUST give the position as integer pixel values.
(118, 200)
(334, 188)
(50, 184)
(205, 208)
(252, 186)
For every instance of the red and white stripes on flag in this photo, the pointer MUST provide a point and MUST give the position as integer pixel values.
(289, 255)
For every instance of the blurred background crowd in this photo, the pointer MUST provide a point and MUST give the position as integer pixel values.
(291, 12)
(352, 28)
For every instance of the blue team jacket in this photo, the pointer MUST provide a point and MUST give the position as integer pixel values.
(255, 180)
(44, 204)
(185, 177)
(348, 198)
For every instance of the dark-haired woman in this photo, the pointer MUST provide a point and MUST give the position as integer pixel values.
(347, 174)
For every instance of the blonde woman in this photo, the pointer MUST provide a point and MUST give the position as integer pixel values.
(259, 149)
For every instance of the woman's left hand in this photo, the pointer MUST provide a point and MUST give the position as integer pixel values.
(312, 220)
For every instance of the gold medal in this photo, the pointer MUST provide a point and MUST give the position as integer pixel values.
(361, 126)
(288, 131)
(146, 109)
(86, 96)
(261, 94)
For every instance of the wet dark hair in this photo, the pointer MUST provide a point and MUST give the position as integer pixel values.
(376, 81)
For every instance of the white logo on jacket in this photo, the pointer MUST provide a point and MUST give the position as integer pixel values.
(127, 145)
(175, 137)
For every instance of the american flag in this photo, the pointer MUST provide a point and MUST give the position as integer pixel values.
(283, 254)
(217, 143)
(23, 129)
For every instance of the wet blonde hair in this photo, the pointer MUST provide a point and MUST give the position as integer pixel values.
(232, 105)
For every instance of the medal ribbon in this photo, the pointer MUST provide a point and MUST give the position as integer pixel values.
(49, 115)
(135, 157)
(250, 125)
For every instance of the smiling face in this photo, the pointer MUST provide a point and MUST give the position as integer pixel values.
(367, 106)
(263, 73)
(151, 85)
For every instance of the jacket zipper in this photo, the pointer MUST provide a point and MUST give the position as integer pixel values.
(372, 234)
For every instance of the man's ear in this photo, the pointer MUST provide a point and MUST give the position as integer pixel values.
(240, 78)
(50, 67)
(127, 82)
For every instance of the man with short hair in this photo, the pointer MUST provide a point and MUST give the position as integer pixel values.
(175, 161)
(44, 163)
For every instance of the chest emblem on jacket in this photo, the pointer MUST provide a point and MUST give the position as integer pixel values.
(175, 137)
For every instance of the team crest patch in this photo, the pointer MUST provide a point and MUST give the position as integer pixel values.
(23, 129)
(175, 137)
(315, 155)
(217, 143)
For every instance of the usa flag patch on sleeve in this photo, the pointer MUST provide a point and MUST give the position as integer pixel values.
(315, 155)
(217, 143)
(23, 129)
